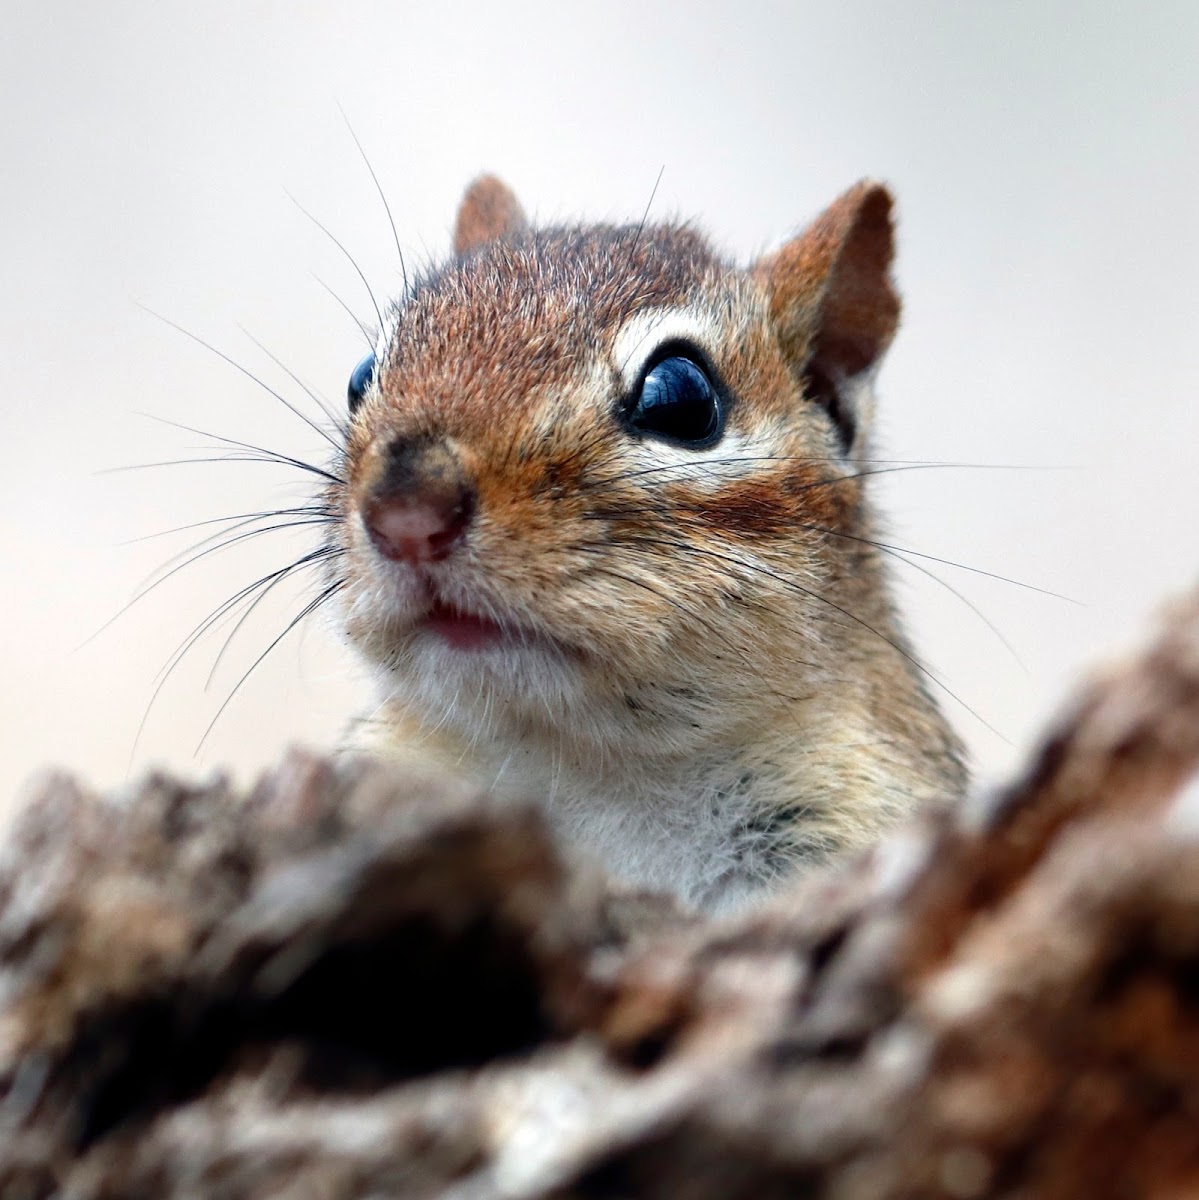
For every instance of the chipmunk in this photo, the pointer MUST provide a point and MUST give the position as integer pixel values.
(603, 535)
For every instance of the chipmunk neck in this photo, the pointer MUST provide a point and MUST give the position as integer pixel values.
(821, 768)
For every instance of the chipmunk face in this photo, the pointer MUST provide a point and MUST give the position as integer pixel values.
(599, 479)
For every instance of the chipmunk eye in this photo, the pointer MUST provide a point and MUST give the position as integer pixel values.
(360, 380)
(677, 401)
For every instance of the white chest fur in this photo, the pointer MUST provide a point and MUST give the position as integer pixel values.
(694, 832)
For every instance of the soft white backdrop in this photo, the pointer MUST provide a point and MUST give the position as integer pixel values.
(1044, 156)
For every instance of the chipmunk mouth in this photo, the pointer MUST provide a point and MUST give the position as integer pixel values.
(433, 614)
(464, 630)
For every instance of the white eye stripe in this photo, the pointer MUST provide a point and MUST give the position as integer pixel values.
(641, 335)
(661, 463)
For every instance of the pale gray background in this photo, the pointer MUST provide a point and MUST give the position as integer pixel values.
(1044, 159)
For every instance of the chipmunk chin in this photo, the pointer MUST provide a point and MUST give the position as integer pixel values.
(455, 664)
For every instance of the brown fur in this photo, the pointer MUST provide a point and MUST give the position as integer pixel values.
(489, 211)
(734, 621)
(830, 295)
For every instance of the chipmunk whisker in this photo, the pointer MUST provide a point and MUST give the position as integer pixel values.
(323, 597)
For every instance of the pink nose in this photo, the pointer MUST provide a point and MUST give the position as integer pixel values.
(417, 528)
(418, 506)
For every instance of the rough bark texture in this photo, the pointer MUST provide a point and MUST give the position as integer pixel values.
(349, 983)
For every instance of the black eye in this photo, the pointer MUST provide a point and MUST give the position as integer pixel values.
(360, 380)
(677, 401)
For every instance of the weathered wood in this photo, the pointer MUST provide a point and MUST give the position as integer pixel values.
(350, 983)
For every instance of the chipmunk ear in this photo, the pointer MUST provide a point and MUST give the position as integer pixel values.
(488, 211)
(833, 304)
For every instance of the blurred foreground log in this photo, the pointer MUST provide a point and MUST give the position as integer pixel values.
(350, 983)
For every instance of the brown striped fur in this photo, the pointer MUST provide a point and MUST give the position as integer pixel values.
(708, 683)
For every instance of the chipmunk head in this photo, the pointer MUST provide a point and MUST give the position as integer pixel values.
(602, 485)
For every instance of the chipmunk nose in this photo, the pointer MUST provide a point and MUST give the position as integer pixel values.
(420, 506)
